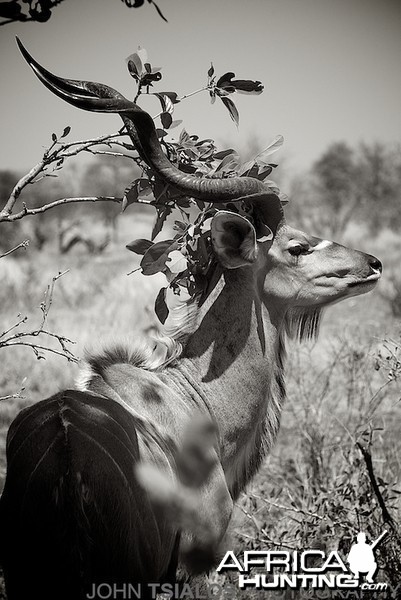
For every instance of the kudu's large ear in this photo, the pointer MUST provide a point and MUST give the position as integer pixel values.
(233, 240)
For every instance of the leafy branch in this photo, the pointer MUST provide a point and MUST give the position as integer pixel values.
(186, 258)
(145, 76)
(41, 10)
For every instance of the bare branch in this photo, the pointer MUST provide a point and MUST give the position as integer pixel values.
(26, 338)
(54, 156)
(20, 321)
(23, 244)
(288, 508)
(35, 211)
(16, 395)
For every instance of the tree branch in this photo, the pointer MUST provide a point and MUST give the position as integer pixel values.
(288, 508)
(55, 156)
(41, 209)
(387, 518)
(16, 394)
(23, 244)
(24, 338)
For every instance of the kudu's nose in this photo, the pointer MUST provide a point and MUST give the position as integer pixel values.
(375, 264)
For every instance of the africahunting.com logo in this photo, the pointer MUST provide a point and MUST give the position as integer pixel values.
(313, 569)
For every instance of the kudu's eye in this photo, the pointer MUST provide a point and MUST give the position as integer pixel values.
(297, 250)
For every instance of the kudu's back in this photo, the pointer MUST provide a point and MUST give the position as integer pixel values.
(72, 515)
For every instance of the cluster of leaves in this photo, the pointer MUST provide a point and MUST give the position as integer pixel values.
(226, 85)
(186, 258)
(38, 10)
(41, 10)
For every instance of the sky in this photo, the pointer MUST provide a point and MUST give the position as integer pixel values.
(331, 71)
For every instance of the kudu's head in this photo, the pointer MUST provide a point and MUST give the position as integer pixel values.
(292, 270)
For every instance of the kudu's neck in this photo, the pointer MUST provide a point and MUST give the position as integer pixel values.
(235, 355)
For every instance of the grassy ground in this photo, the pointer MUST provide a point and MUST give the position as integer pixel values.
(314, 490)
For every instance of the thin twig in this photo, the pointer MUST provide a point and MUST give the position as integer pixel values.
(203, 89)
(51, 155)
(23, 244)
(17, 324)
(287, 508)
(24, 338)
(35, 211)
(36, 347)
(16, 394)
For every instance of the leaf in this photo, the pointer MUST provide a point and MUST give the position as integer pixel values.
(210, 72)
(161, 308)
(246, 168)
(148, 78)
(184, 137)
(135, 65)
(232, 109)
(182, 201)
(225, 80)
(162, 214)
(162, 100)
(161, 133)
(263, 172)
(243, 86)
(54, 137)
(272, 147)
(166, 119)
(175, 123)
(9, 10)
(143, 55)
(172, 96)
(247, 86)
(180, 227)
(66, 131)
(130, 195)
(139, 246)
(223, 153)
(136, 190)
(154, 260)
(229, 163)
(177, 263)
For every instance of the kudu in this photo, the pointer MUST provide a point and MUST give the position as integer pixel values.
(102, 482)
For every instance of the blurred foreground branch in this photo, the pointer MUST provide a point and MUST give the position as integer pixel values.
(40, 11)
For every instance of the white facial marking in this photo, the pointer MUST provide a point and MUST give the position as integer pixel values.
(322, 244)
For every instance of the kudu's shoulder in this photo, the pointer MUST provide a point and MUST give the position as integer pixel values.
(138, 376)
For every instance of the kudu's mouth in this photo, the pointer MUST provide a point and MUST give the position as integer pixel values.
(372, 278)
